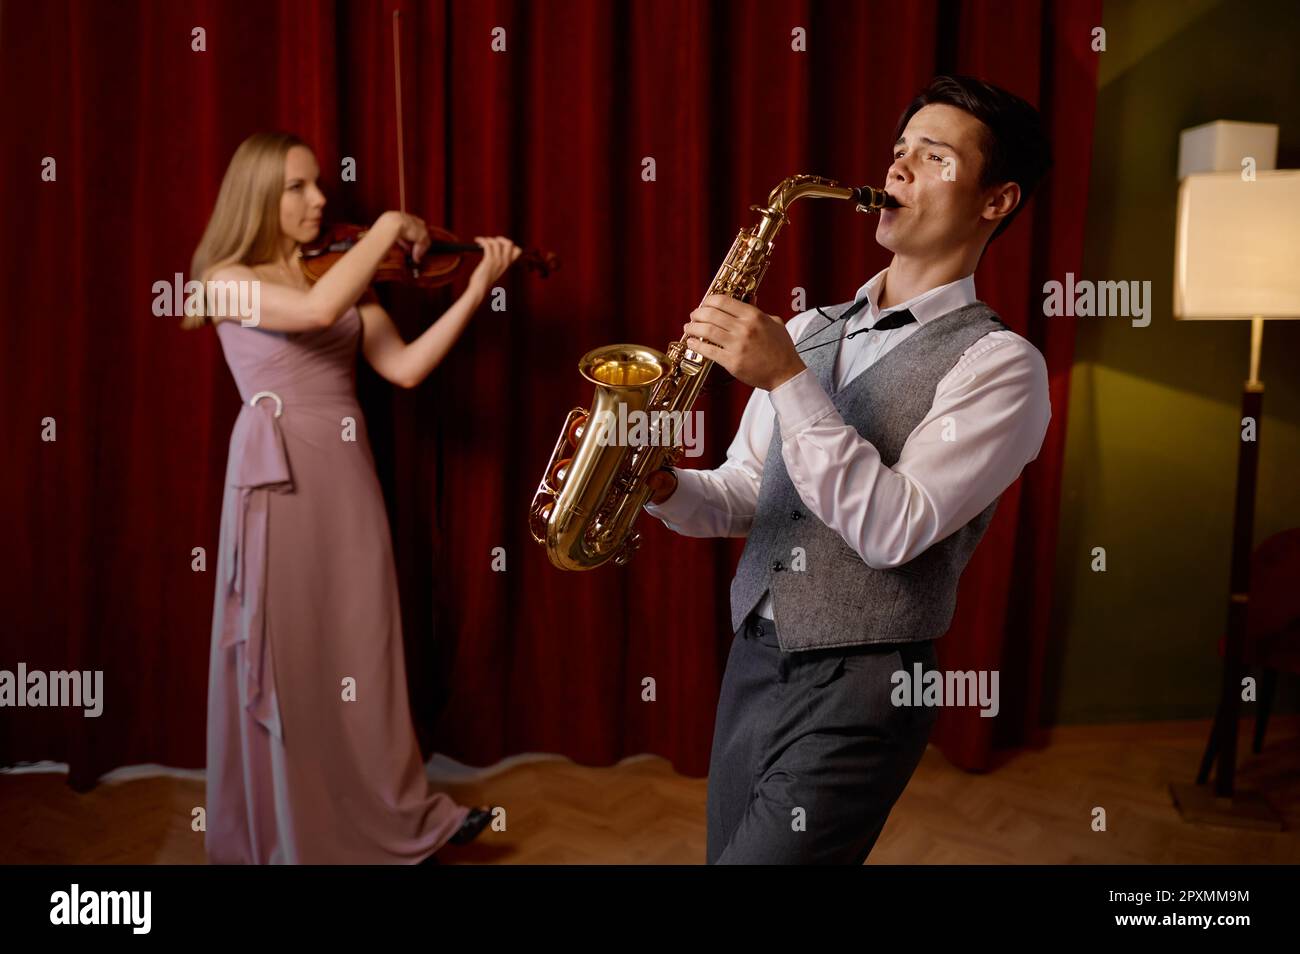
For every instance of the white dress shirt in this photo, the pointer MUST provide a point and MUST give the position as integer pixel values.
(992, 408)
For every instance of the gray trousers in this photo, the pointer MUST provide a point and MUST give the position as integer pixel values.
(809, 754)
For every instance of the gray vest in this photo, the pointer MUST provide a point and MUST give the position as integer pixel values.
(835, 599)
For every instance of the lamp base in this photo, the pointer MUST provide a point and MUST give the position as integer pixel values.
(1198, 804)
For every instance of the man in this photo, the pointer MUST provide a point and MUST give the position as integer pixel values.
(867, 466)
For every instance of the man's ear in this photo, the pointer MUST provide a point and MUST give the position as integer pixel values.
(1001, 203)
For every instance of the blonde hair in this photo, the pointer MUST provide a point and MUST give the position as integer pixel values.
(245, 224)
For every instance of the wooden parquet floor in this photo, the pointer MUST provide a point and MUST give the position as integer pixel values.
(1034, 809)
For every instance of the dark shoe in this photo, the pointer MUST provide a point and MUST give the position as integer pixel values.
(475, 822)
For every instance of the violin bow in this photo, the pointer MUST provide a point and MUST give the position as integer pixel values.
(548, 262)
(397, 88)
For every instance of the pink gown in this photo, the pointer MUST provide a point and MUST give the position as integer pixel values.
(311, 754)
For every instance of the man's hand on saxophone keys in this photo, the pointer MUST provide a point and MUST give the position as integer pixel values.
(752, 345)
(663, 484)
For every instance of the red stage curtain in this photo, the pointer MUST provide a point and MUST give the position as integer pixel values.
(543, 142)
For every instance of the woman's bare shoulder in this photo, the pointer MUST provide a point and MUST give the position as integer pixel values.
(231, 271)
(224, 275)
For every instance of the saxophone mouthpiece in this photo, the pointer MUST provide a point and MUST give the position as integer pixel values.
(873, 200)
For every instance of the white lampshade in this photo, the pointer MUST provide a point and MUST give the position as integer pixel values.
(1221, 146)
(1237, 253)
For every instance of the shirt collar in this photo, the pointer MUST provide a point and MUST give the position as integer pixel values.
(926, 306)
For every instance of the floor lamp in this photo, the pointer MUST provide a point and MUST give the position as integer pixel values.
(1237, 257)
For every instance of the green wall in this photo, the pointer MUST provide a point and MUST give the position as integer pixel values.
(1152, 436)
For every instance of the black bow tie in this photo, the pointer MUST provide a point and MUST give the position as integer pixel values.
(893, 320)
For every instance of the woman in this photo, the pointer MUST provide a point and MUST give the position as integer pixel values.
(311, 754)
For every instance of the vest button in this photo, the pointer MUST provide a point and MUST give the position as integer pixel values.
(777, 566)
(795, 515)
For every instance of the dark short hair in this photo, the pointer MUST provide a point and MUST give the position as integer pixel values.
(1014, 147)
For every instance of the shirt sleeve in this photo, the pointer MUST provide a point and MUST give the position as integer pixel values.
(722, 502)
(988, 420)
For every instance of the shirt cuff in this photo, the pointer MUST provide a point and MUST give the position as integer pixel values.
(681, 506)
(800, 402)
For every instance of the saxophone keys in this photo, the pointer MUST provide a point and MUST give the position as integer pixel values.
(629, 547)
(560, 471)
(576, 430)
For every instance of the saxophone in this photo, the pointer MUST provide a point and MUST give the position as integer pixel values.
(592, 491)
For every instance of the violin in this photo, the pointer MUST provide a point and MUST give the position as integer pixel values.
(440, 264)
(445, 256)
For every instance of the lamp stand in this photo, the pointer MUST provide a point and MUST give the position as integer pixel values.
(1222, 805)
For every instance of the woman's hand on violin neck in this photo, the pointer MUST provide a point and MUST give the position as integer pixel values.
(498, 254)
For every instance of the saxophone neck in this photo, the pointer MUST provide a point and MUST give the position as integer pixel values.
(790, 190)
